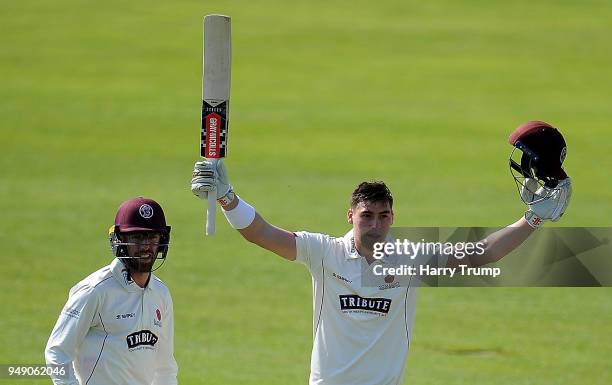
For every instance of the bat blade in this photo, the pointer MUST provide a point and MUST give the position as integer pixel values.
(216, 81)
(216, 86)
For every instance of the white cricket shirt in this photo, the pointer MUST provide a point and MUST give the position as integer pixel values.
(361, 334)
(114, 332)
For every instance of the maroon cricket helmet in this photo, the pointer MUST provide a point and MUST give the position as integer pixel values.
(140, 214)
(543, 152)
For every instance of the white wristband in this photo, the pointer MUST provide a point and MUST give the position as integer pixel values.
(240, 216)
(533, 220)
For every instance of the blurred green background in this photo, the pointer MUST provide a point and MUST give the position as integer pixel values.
(100, 103)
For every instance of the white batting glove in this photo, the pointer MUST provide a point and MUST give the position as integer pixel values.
(530, 186)
(206, 178)
(551, 208)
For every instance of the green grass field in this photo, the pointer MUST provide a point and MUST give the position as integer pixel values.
(100, 102)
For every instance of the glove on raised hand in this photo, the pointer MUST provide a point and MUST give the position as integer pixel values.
(207, 177)
(551, 208)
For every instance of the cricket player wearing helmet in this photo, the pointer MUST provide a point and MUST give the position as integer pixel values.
(117, 325)
(362, 334)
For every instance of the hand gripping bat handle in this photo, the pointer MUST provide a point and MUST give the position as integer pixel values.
(211, 209)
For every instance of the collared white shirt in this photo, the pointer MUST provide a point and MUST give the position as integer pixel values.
(361, 334)
(114, 332)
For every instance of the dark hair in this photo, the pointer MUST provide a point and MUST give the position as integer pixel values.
(375, 191)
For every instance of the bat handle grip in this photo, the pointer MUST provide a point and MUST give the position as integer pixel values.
(211, 207)
(211, 213)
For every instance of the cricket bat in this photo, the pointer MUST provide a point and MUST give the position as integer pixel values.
(215, 97)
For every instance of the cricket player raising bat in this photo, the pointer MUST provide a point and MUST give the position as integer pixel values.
(362, 334)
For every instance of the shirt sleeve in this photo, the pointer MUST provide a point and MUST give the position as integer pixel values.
(311, 248)
(166, 371)
(70, 329)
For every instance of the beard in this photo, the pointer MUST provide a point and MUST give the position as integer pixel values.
(140, 264)
(141, 258)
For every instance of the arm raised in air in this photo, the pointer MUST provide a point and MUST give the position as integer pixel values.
(239, 214)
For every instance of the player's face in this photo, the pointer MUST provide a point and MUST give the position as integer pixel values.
(371, 222)
(143, 245)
